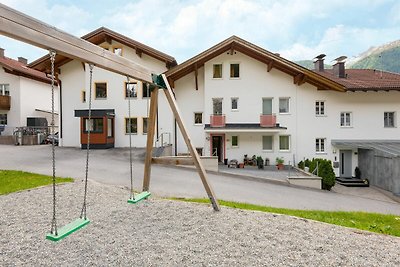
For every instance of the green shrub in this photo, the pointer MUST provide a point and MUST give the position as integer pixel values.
(325, 171)
(301, 165)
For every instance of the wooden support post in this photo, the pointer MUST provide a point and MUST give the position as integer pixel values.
(150, 139)
(193, 152)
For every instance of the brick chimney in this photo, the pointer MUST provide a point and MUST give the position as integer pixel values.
(1, 52)
(319, 62)
(339, 69)
(23, 60)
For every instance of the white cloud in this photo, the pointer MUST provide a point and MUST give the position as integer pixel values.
(341, 40)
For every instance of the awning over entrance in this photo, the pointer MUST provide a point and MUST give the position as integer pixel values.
(95, 113)
(243, 128)
(391, 147)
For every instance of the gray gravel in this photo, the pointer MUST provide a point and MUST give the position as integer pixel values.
(169, 233)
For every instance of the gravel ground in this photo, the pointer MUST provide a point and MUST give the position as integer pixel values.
(170, 233)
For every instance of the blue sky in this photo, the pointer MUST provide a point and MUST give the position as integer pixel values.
(297, 29)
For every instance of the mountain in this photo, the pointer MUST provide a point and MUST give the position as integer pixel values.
(385, 57)
(309, 64)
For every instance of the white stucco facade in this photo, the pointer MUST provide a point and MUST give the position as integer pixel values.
(75, 78)
(300, 123)
(28, 98)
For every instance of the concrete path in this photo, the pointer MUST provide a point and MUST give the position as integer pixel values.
(112, 167)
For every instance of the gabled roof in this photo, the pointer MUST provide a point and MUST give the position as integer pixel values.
(234, 43)
(102, 35)
(15, 67)
(365, 80)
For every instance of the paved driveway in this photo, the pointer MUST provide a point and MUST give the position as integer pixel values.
(112, 167)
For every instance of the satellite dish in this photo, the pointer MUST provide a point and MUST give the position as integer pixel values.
(340, 59)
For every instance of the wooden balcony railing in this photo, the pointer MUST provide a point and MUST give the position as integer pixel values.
(267, 120)
(5, 101)
(217, 120)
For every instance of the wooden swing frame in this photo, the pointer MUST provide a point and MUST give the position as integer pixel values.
(22, 27)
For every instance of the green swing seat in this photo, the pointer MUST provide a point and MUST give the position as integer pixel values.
(139, 197)
(68, 229)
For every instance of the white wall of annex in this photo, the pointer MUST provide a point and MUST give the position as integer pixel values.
(37, 95)
(14, 114)
(189, 101)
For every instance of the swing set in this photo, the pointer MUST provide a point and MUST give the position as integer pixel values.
(19, 26)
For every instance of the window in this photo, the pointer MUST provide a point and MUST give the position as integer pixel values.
(100, 90)
(235, 141)
(284, 141)
(388, 119)
(345, 119)
(235, 70)
(145, 90)
(217, 71)
(133, 126)
(320, 145)
(267, 142)
(83, 96)
(3, 119)
(145, 121)
(234, 103)
(199, 151)
(95, 125)
(130, 89)
(198, 118)
(283, 105)
(117, 51)
(110, 127)
(4, 89)
(217, 106)
(319, 108)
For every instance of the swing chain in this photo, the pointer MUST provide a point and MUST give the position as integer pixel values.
(130, 91)
(83, 211)
(53, 230)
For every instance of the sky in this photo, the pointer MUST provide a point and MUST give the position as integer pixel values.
(297, 29)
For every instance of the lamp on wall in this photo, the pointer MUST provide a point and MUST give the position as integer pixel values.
(334, 151)
(207, 138)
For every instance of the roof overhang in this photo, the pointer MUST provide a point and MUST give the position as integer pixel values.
(99, 36)
(391, 147)
(300, 74)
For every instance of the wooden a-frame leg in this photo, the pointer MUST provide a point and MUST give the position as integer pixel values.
(193, 152)
(150, 139)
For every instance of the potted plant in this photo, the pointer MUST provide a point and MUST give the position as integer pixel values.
(260, 162)
(279, 163)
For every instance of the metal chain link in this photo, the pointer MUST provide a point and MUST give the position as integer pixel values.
(53, 151)
(129, 91)
(83, 211)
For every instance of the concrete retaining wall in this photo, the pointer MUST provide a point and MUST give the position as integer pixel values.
(381, 169)
(209, 163)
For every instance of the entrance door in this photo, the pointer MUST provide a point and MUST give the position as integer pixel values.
(217, 147)
(345, 163)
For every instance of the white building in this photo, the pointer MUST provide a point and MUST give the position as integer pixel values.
(237, 98)
(24, 93)
(109, 96)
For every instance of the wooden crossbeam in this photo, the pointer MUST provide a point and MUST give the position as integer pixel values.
(19, 26)
(270, 65)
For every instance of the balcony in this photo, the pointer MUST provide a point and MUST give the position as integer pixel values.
(268, 120)
(5, 102)
(217, 120)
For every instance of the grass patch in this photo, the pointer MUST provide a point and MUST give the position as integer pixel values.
(373, 222)
(13, 181)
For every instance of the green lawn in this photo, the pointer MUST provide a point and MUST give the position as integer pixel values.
(373, 222)
(13, 181)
